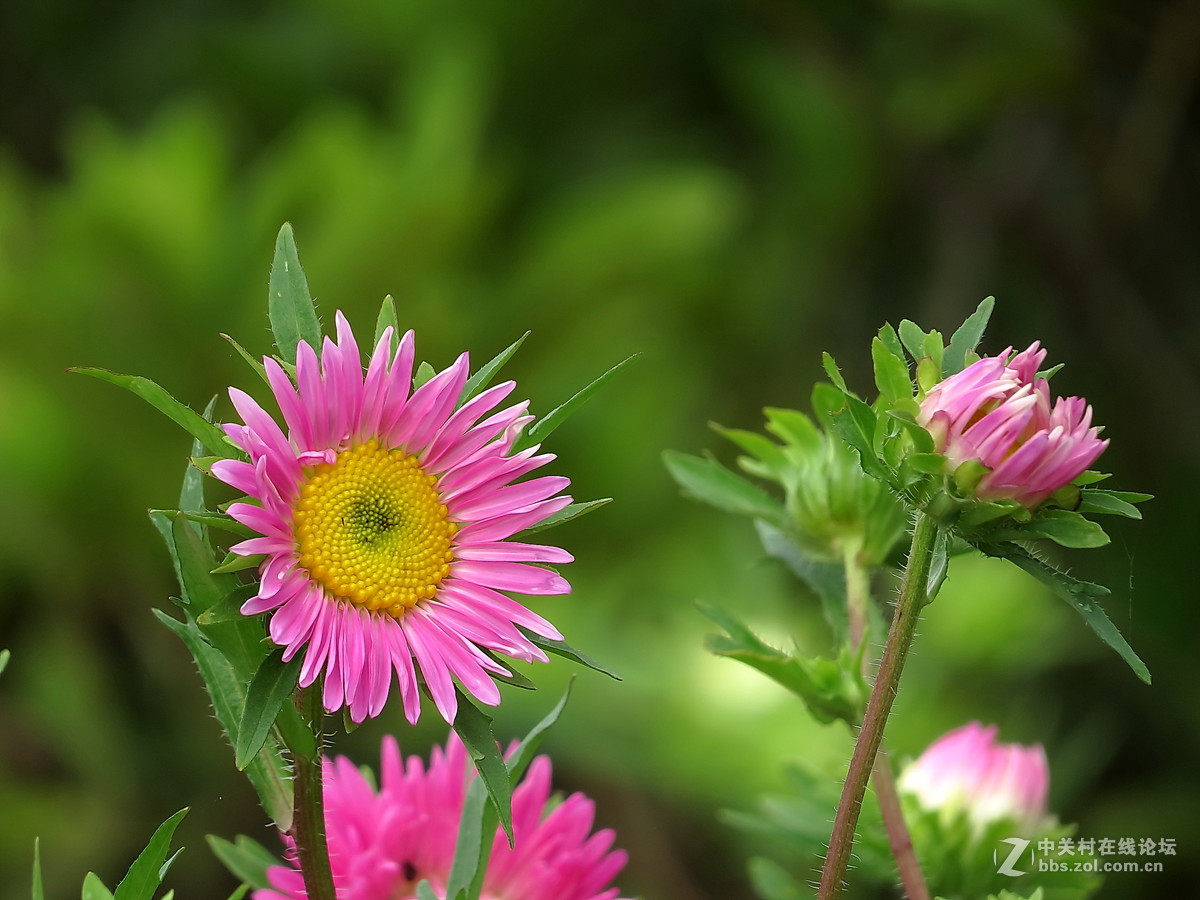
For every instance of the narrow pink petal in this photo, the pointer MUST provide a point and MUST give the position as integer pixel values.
(475, 595)
(429, 407)
(507, 576)
(498, 528)
(449, 435)
(482, 505)
(237, 474)
(512, 551)
(295, 413)
(433, 667)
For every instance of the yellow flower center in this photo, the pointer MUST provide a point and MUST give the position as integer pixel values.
(372, 529)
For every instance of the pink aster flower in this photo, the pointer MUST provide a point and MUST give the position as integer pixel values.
(384, 513)
(998, 412)
(968, 771)
(383, 843)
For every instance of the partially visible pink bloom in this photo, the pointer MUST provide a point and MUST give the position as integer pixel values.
(383, 843)
(385, 511)
(968, 771)
(998, 412)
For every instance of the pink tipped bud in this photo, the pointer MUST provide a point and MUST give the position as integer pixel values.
(997, 412)
(968, 771)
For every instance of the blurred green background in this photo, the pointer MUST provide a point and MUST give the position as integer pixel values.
(729, 188)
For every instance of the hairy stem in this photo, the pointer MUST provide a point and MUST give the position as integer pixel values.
(858, 596)
(308, 824)
(870, 735)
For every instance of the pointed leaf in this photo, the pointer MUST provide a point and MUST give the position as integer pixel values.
(220, 521)
(94, 889)
(891, 373)
(825, 579)
(289, 303)
(1082, 595)
(147, 871)
(39, 892)
(542, 428)
(5, 656)
(425, 892)
(709, 481)
(891, 340)
(187, 418)
(913, 338)
(566, 514)
(834, 373)
(238, 894)
(255, 364)
(245, 858)
(967, 337)
(566, 651)
(1064, 527)
(475, 728)
(483, 377)
(1112, 503)
(272, 686)
(387, 319)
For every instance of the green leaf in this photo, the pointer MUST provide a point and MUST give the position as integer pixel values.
(913, 338)
(268, 773)
(475, 728)
(424, 372)
(148, 870)
(709, 481)
(235, 562)
(425, 892)
(5, 656)
(566, 651)
(1080, 594)
(834, 373)
(245, 858)
(187, 418)
(38, 891)
(273, 684)
(483, 377)
(238, 894)
(967, 337)
(794, 428)
(891, 340)
(543, 427)
(831, 689)
(566, 514)
(220, 521)
(939, 565)
(1064, 527)
(891, 374)
(477, 828)
(255, 364)
(229, 607)
(387, 319)
(825, 579)
(289, 303)
(94, 889)
(759, 446)
(1112, 503)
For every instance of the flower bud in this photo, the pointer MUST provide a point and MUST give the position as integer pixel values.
(998, 413)
(967, 771)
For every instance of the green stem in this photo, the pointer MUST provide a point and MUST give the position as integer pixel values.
(870, 735)
(308, 824)
(858, 595)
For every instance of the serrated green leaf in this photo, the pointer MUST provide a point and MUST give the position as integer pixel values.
(94, 889)
(272, 686)
(825, 579)
(566, 514)
(1091, 476)
(184, 416)
(228, 608)
(966, 337)
(913, 338)
(834, 373)
(387, 319)
(191, 492)
(220, 521)
(424, 372)
(831, 689)
(483, 377)
(1081, 595)
(39, 892)
(543, 427)
(709, 481)
(759, 446)
(247, 859)
(289, 304)
(891, 340)
(1112, 503)
(475, 728)
(891, 373)
(147, 871)
(566, 651)
(255, 364)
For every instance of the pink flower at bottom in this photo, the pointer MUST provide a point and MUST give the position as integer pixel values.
(998, 412)
(967, 770)
(383, 843)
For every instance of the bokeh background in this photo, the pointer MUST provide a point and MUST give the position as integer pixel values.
(727, 188)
